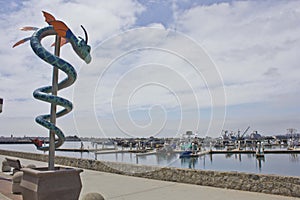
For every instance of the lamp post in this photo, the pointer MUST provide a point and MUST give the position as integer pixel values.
(53, 107)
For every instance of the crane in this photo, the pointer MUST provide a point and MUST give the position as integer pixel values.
(241, 137)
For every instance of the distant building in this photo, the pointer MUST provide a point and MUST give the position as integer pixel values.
(255, 135)
(189, 133)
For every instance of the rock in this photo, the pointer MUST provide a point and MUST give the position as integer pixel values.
(93, 196)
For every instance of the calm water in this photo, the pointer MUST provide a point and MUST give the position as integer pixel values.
(282, 164)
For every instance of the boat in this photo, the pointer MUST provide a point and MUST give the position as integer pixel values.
(185, 154)
(189, 145)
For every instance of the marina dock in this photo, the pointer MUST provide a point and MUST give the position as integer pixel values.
(85, 150)
(100, 151)
(145, 152)
(253, 151)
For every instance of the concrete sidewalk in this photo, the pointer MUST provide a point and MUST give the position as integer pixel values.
(119, 187)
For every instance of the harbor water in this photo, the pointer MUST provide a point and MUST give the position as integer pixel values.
(279, 164)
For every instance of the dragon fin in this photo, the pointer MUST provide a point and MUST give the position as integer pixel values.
(63, 41)
(60, 28)
(21, 41)
(29, 28)
(48, 17)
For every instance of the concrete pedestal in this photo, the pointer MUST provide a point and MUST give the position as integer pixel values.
(42, 184)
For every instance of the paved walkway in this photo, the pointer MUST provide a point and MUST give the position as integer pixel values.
(119, 187)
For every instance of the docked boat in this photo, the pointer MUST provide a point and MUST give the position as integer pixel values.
(189, 144)
(185, 154)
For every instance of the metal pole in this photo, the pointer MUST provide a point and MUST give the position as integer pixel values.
(1, 104)
(53, 107)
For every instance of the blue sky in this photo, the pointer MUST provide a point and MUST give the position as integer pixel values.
(159, 67)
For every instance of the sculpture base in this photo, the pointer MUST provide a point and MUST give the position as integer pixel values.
(42, 184)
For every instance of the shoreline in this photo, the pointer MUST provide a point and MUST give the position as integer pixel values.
(270, 184)
(234, 160)
(120, 187)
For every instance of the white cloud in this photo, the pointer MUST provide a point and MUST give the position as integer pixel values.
(255, 45)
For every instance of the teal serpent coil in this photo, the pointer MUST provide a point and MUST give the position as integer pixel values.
(82, 49)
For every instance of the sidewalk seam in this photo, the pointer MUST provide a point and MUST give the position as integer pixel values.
(142, 191)
(2, 197)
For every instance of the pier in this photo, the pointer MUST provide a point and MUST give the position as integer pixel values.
(253, 152)
(99, 151)
(146, 152)
(234, 151)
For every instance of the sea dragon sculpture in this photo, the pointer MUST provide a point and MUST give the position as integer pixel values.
(81, 48)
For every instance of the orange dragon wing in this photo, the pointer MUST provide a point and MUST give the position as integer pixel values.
(60, 27)
(48, 17)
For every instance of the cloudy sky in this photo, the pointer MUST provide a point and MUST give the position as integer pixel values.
(159, 68)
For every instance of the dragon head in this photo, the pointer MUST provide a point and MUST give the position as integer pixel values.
(83, 49)
(80, 45)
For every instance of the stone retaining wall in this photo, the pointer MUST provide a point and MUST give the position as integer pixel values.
(272, 184)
